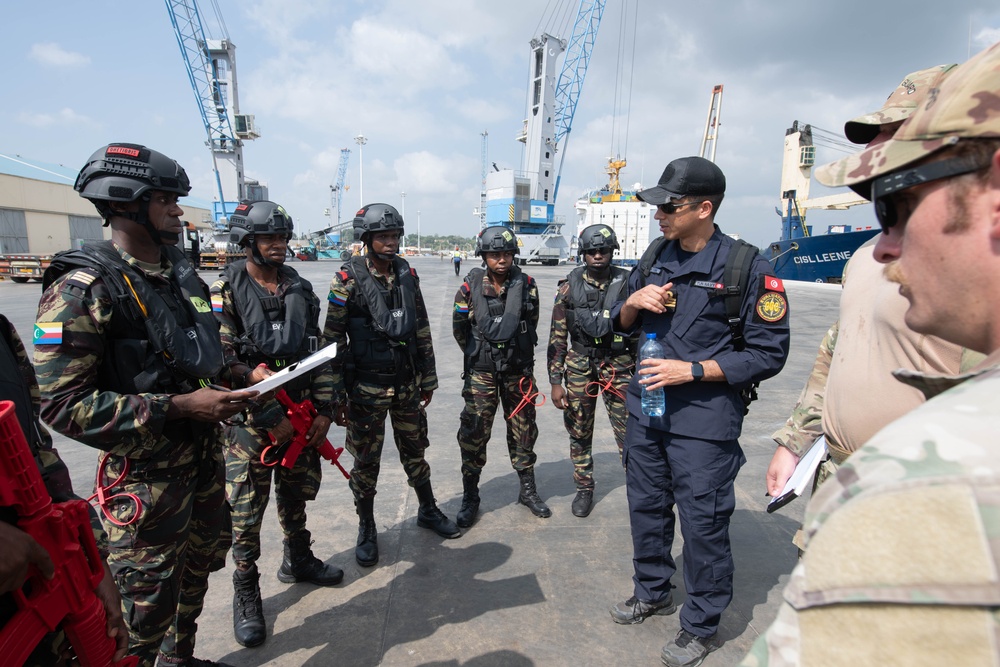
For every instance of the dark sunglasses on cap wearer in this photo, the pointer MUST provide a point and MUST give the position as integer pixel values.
(670, 208)
(597, 251)
(885, 187)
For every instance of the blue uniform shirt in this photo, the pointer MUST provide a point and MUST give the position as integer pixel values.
(698, 331)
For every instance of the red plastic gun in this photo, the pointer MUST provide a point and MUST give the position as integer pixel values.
(64, 531)
(302, 415)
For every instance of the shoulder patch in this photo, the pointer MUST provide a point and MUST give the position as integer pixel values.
(413, 272)
(773, 284)
(48, 333)
(465, 289)
(771, 307)
(344, 276)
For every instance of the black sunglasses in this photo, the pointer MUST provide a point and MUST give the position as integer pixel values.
(671, 208)
(594, 251)
(883, 188)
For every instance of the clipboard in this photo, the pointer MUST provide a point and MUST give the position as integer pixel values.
(802, 476)
(310, 363)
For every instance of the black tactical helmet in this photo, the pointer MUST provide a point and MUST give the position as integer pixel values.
(258, 217)
(376, 218)
(597, 236)
(496, 239)
(125, 172)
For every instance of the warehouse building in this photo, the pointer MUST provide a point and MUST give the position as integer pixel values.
(41, 214)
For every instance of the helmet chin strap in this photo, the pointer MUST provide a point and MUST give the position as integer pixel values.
(385, 257)
(141, 217)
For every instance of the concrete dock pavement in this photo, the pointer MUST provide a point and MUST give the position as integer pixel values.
(514, 590)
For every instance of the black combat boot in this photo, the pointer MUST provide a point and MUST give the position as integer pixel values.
(429, 516)
(299, 564)
(470, 502)
(529, 495)
(366, 553)
(248, 610)
(583, 502)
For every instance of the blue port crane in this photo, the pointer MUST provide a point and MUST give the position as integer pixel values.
(574, 71)
(525, 200)
(211, 69)
(337, 189)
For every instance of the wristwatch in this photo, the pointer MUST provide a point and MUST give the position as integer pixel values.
(697, 371)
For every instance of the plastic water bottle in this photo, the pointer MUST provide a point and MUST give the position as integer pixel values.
(653, 401)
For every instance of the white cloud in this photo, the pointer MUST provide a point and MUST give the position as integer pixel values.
(53, 55)
(62, 118)
(432, 174)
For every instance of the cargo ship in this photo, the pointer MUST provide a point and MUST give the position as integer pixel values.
(802, 254)
(620, 210)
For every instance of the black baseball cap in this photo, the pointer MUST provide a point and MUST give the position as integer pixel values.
(685, 177)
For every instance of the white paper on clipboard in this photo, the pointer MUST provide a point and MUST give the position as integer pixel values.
(802, 476)
(272, 382)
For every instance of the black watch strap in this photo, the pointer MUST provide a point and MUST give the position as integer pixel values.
(697, 371)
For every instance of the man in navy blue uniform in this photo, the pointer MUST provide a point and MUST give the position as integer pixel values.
(690, 456)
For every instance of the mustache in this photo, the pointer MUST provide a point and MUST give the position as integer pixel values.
(894, 274)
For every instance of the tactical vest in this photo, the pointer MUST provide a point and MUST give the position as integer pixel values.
(588, 317)
(382, 323)
(501, 339)
(276, 331)
(163, 337)
(14, 388)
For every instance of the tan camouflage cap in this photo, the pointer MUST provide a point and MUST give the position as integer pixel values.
(898, 106)
(963, 103)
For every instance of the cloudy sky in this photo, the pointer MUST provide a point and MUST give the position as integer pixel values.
(423, 79)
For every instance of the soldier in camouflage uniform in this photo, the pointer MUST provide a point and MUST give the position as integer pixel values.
(269, 318)
(130, 346)
(870, 337)
(18, 550)
(384, 366)
(589, 356)
(495, 323)
(901, 543)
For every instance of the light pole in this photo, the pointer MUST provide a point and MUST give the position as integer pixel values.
(418, 232)
(361, 140)
(402, 210)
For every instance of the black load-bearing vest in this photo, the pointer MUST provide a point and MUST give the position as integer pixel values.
(276, 331)
(501, 339)
(588, 317)
(382, 322)
(163, 337)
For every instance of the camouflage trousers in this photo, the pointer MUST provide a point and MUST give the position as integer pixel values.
(248, 488)
(162, 561)
(582, 389)
(483, 392)
(367, 408)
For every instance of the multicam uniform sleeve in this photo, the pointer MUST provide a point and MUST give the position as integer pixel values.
(124, 424)
(805, 424)
(558, 336)
(460, 317)
(425, 347)
(335, 330)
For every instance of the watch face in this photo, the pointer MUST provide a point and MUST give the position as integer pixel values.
(697, 371)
